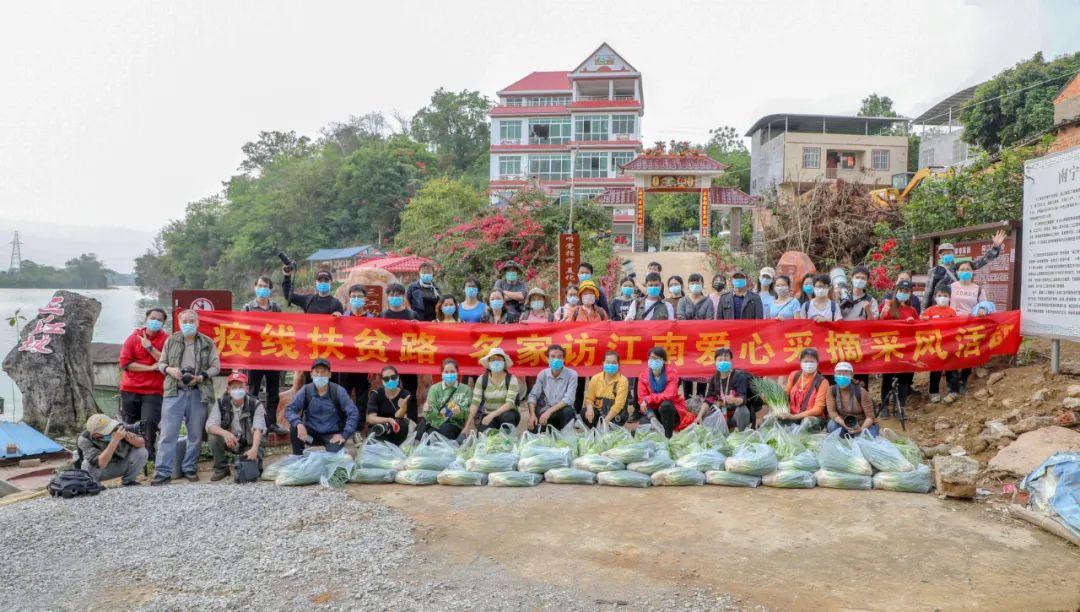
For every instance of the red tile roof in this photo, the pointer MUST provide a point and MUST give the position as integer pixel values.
(673, 163)
(616, 196)
(404, 263)
(730, 196)
(555, 80)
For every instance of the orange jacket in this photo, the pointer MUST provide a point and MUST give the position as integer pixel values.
(798, 385)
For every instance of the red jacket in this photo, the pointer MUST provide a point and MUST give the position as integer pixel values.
(669, 394)
(145, 383)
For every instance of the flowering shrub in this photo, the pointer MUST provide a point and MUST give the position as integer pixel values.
(883, 264)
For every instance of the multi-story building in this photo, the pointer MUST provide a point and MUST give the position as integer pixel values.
(792, 153)
(941, 135)
(567, 132)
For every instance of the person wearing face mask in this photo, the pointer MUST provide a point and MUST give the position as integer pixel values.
(807, 389)
(562, 313)
(422, 295)
(496, 309)
(606, 395)
(388, 409)
(551, 399)
(942, 310)
(620, 306)
(848, 405)
(512, 285)
(189, 361)
(321, 302)
(495, 395)
(448, 310)
(765, 287)
(256, 378)
(898, 308)
(356, 384)
(357, 301)
(589, 309)
(945, 272)
(652, 307)
(447, 406)
(821, 308)
(321, 413)
(728, 391)
(141, 383)
(658, 394)
(740, 302)
(862, 306)
(719, 285)
(396, 308)
(585, 273)
(106, 450)
(538, 310)
(696, 306)
(806, 288)
(784, 307)
(472, 310)
(236, 425)
(674, 291)
(964, 293)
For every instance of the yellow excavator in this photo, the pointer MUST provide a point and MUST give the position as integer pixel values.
(902, 185)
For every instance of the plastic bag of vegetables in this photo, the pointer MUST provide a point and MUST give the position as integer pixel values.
(915, 481)
(731, 479)
(495, 452)
(372, 476)
(908, 448)
(307, 470)
(597, 464)
(660, 461)
(630, 452)
(789, 479)
(841, 455)
(271, 471)
(461, 478)
(378, 454)
(805, 461)
(785, 443)
(569, 476)
(434, 452)
(624, 478)
(752, 459)
(416, 477)
(338, 470)
(678, 477)
(541, 462)
(882, 454)
(702, 460)
(842, 480)
(514, 479)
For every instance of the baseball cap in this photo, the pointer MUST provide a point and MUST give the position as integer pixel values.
(904, 285)
(767, 271)
(323, 274)
(843, 366)
(101, 424)
(946, 246)
(321, 362)
(738, 272)
(237, 376)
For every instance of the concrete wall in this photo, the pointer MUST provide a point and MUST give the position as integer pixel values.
(766, 164)
(948, 148)
(794, 142)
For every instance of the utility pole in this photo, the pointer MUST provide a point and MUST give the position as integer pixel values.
(16, 254)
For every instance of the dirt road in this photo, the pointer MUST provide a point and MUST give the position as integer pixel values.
(780, 549)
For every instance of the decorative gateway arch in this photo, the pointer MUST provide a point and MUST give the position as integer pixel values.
(682, 169)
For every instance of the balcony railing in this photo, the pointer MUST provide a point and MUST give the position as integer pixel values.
(518, 102)
(605, 98)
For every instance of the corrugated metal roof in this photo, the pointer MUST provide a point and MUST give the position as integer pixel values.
(827, 124)
(331, 254)
(28, 441)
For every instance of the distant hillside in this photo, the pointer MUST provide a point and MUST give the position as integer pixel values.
(53, 245)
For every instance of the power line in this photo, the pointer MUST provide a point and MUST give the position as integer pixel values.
(971, 102)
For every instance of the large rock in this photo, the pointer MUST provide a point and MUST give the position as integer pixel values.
(955, 476)
(1032, 423)
(51, 364)
(1032, 448)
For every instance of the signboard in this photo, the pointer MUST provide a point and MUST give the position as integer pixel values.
(569, 260)
(996, 277)
(674, 181)
(1050, 295)
(640, 212)
(704, 213)
(373, 303)
(199, 299)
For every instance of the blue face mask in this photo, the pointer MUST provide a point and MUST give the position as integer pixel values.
(654, 292)
(656, 364)
(765, 281)
(449, 310)
(738, 283)
(395, 301)
(584, 277)
(572, 300)
(965, 275)
(723, 367)
(902, 296)
(322, 287)
(842, 381)
(611, 368)
(320, 381)
(426, 277)
(188, 329)
(556, 363)
(470, 292)
(497, 366)
(106, 438)
(948, 258)
(390, 385)
(497, 304)
(511, 276)
(154, 325)
(262, 292)
(627, 291)
(808, 289)
(449, 378)
(356, 302)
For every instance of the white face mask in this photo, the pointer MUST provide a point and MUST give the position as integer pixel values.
(821, 292)
(589, 299)
(859, 283)
(782, 290)
(675, 289)
(238, 393)
(942, 300)
(537, 305)
(808, 367)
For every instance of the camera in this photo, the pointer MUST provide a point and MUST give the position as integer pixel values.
(287, 261)
(380, 430)
(851, 422)
(135, 428)
(186, 376)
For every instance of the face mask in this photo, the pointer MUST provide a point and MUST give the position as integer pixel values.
(237, 394)
(470, 292)
(556, 363)
(154, 325)
(262, 292)
(948, 258)
(719, 285)
(654, 292)
(942, 300)
(656, 364)
(106, 438)
(449, 310)
(723, 367)
(821, 292)
(395, 301)
(675, 289)
(584, 277)
(902, 296)
(696, 288)
(390, 385)
(320, 381)
(782, 290)
(496, 304)
(449, 378)
(611, 368)
(589, 299)
(356, 302)
(536, 305)
(765, 281)
(859, 283)
(322, 287)
(497, 366)
(808, 367)
(188, 329)
(842, 381)
(965, 275)
(572, 300)
(807, 289)
(426, 278)
(511, 277)
(738, 283)
(627, 291)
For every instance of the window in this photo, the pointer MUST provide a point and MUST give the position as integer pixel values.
(811, 157)
(509, 131)
(620, 158)
(547, 101)
(550, 167)
(959, 151)
(509, 165)
(591, 165)
(591, 127)
(926, 158)
(879, 159)
(587, 193)
(622, 124)
(547, 130)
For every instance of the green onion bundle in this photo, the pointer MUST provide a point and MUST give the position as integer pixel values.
(624, 478)
(915, 481)
(883, 455)
(702, 460)
(514, 479)
(773, 395)
(496, 462)
(805, 461)
(678, 477)
(569, 476)
(417, 477)
(271, 471)
(631, 452)
(842, 480)
(660, 461)
(841, 455)
(372, 476)
(542, 462)
(597, 464)
(789, 479)
(461, 478)
(378, 454)
(731, 479)
(908, 448)
(752, 459)
(427, 462)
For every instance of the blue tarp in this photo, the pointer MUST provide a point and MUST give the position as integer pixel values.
(27, 440)
(1055, 489)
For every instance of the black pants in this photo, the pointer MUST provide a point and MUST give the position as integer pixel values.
(962, 378)
(510, 417)
(952, 380)
(599, 414)
(668, 417)
(903, 386)
(447, 429)
(410, 382)
(394, 437)
(144, 409)
(357, 384)
(273, 389)
(561, 418)
(317, 439)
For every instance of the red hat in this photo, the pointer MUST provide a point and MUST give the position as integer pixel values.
(236, 376)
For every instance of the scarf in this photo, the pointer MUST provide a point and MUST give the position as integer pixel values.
(658, 384)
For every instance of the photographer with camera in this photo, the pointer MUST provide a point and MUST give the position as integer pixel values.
(189, 361)
(109, 449)
(321, 302)
(321, 413)
(387, 409)
(262, 303)
(849, 406)
(236, 424)
(141, 384)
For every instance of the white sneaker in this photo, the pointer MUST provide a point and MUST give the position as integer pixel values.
(935, 399)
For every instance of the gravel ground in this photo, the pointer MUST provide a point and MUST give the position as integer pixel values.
(185, 547)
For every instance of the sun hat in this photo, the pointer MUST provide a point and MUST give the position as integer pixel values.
(496, 352)
(100, 424)
(589, 286)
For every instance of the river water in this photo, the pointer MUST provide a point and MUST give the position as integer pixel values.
(121, 311)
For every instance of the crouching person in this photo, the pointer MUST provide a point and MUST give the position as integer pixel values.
(728, 392)
(321, 413)
(108, 450)
(236, 425)
(849, 406)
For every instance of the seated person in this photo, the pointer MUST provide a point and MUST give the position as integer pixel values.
(807, 389)
(728, 391)
(447, 405)
(849, 406)
(107, 450)
(236, 424)
(551, 400)
(388, 408)
(495, 395)
(606, 395)
(321, 413)
(658, 392)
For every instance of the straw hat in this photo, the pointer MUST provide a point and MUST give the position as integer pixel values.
(589, 286)
(496, 352)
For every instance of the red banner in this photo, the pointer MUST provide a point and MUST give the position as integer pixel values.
(281, 341)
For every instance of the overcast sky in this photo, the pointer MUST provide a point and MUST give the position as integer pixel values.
(119, 113)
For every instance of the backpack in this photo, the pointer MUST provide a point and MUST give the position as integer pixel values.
(832, 309)
(73, 483)
(483, 390)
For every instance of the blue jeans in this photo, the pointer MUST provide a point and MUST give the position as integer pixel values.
(188, 407)
(832, 426)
